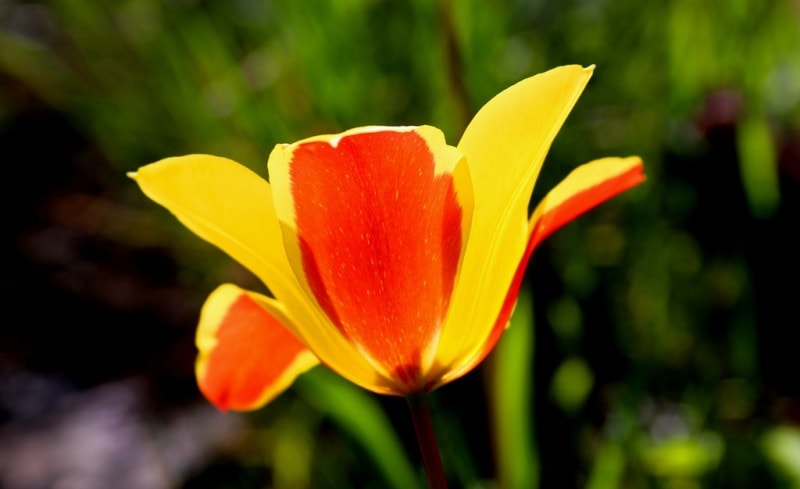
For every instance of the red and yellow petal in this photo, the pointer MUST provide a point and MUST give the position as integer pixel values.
(246, 356)
(377, 218)
(505, 146)
(584, 188)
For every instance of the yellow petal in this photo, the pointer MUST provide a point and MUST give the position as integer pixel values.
(505, 145)
(246, 356)
(231, 207)
(227, 205)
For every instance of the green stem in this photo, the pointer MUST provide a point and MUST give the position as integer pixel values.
(421, 415)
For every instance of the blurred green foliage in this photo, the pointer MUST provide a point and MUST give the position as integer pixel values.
(660, 357)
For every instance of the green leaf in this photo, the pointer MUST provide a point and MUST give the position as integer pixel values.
(360, 416)
(511, 398)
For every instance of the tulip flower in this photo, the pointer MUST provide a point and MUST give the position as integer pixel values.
(392, 258)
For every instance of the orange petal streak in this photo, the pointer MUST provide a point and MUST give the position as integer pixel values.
(246, 356)
(380, 235)
(586, 187)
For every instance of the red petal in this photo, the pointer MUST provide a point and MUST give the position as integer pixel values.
(379, 226)
(246, 355)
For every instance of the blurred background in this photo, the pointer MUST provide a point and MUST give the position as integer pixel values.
(652, 348)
